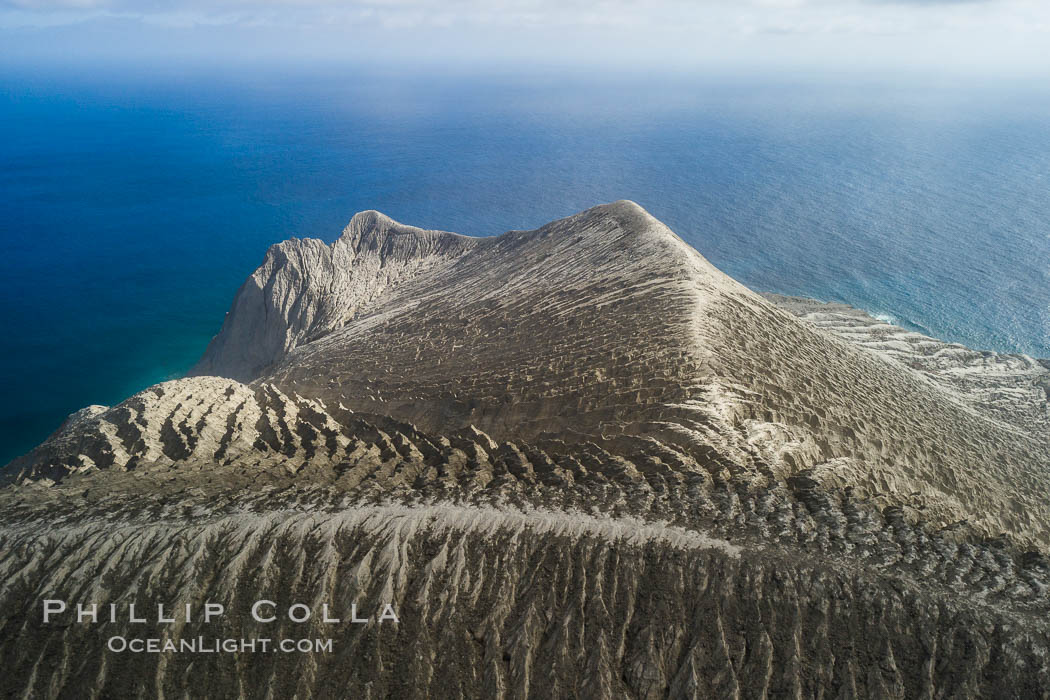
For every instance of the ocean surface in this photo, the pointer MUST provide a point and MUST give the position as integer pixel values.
(132, 208)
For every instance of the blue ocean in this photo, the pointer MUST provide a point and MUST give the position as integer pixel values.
(132, 207)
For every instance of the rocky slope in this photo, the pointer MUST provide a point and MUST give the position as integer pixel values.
(305, 289)
(579, 461)
(1013, 388)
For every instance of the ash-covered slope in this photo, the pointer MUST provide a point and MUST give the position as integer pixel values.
(1012, 387)
(579, 461)
(607, 324)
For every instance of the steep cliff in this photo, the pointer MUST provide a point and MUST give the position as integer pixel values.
(305, 289)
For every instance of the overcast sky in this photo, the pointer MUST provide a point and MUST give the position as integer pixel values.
(989, 36)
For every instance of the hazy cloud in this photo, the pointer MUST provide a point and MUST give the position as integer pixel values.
(981, 32)
(928, 2)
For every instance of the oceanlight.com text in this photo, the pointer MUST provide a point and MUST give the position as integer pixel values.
(213, 645)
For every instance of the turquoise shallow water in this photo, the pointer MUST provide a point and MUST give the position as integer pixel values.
(132, 208)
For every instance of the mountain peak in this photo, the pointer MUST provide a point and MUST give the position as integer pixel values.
(371, 225)
(479, 425)
(305, 289)
(371, 229)
(607, 324)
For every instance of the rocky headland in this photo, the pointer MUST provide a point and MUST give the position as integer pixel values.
(579, 461)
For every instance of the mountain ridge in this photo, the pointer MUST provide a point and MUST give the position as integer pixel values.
(507, 316)
(606, 326)
(579, 460)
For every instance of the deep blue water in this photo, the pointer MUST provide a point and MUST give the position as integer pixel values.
(131, 209)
